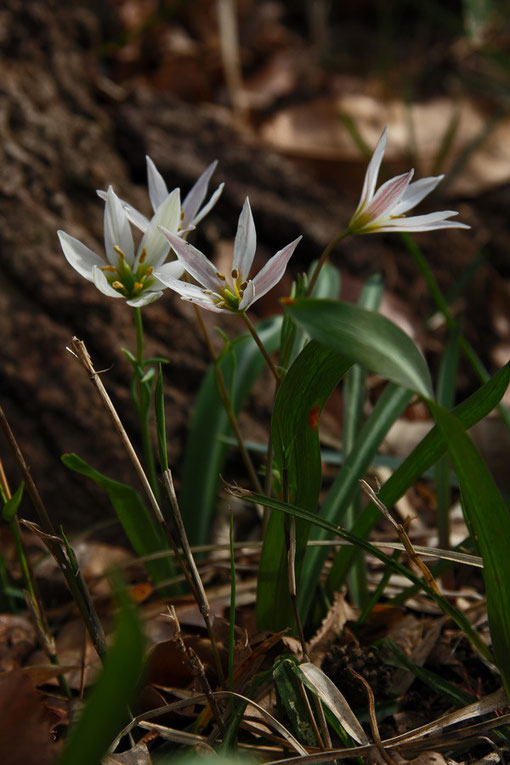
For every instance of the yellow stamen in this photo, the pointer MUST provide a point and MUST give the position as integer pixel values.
(143, 255)
(149, 272)
(137, 287)
(108, 268)
(118, 251)
(243, 286)
(235, 273)
(118, 286)
(221, 276)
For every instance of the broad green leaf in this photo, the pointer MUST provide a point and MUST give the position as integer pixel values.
(296, 512)
(143, 533)
(366, 338)
(106, 708)
(10, 508)
(305, 389)
(489, 518)
(289, 695)
(428, 451)
(205, 451)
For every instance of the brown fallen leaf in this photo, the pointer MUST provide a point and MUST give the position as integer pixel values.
(25, 728)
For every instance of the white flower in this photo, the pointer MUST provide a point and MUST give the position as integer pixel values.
(191, 212)
(385, 209)
(136, 277)
(237, 292)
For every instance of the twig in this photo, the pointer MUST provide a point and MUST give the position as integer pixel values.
(78, 349)
(196, 667)
(198, 587)
(399, 528)
(373, 719)
(56, 545)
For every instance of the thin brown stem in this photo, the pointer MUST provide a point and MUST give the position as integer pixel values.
(79, 350)
(200, 594)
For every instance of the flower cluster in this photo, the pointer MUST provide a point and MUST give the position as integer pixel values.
(140, 277)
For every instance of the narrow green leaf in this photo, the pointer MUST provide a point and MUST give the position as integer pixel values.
(298, 405)
(428, 451)
(366, 338)
(489, 518)
(106, 708)
(290, 698)
(10, 508)
(388, 408)
(205, 453)
(144, 535)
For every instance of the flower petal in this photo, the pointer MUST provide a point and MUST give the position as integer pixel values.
(208, 207)
(196, 195)
(116, 230)
(79, 256)
(156, 245)
(387, 196)
(372, 172)
(192, 293)
(245, 243)
(103, 285)
(418, 223)
(174, 269)
(158, 190)
(272, 272)
(145, 298)
(134, 215)
(415, 192)
(194, 262)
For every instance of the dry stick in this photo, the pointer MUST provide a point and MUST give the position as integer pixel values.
(200, 595)
(399, 528)
(373, 719)
(228, 404)
(32, 595)
(78, 349)
(56, 545)
(196, 666)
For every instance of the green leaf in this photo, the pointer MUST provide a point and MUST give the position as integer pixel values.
(205, 453)
(289, 696)
(10, 508)
(428, 451)
(366, 338)
(298, 405)
(489, 518)
(106, 708)
(143, 533)
(388, 408)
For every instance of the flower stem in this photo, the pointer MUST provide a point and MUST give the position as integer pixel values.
(324, 257)
(143, 404)
(260, 344)
(227, 404)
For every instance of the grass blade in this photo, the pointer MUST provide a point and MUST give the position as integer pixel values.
(106, 708)
(144, 535)
(487, 515)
